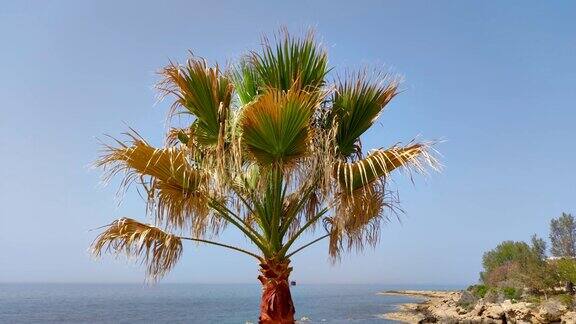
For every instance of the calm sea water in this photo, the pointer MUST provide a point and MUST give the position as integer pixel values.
(186, 303)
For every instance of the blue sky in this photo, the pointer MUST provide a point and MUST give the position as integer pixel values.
(495, 79)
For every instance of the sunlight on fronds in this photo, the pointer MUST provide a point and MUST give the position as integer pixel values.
(137, 158)
(381, 162)
(157, 249)
(176, 191)
(276, 126)
(272, 149)
(357, 103)
(203, 92)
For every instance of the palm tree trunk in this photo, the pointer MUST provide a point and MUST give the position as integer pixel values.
(277, 306)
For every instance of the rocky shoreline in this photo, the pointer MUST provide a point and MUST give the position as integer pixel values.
(451, 307)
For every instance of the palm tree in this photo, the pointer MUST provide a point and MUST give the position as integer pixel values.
(272, 149)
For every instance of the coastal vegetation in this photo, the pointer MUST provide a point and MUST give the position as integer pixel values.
(271, 147)
(519, 269)
(525, 272)
(520, 283)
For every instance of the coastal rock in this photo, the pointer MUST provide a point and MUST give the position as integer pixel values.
(551, 311)
(447, 307)
(478, 309)
(518, 312)
(494, 312)
(407, 313)
(467, 299)
(568, 318)
(461, 311)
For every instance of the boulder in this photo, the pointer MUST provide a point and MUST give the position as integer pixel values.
(461, 310)
(466, 302)
(518, 312)
(551, 311)
(568, 318)
(494, 296)
(493, 312)
(478, 309)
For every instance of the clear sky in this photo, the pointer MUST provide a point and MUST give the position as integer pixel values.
(495, 79)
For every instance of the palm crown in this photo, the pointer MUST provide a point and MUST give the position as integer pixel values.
(273, 149)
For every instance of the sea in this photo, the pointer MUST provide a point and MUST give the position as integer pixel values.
(190, 303)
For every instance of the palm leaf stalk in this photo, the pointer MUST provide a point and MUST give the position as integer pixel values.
(272, 149)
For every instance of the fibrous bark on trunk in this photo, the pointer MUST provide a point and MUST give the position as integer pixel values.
(276, 306)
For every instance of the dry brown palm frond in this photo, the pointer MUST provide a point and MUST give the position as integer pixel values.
(137, 158)
(157, 249)
(358, 216)
(182, 209)
(316, 169)
(176, 136)
(381, 162)
(362, 195)
(176, 191)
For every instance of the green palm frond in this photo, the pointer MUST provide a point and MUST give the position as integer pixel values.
(276, 127)
(291, 60)
(246, 80)
(381, 162)
(204, 93)
(157, 249)
(356, 105)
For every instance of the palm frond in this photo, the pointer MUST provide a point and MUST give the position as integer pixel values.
(276, 127)
(357, 218)
(157, 249)
(247, 82)
(363, 198)
(291, 60)
(356, 105)
(176, 191)
(381, 162)
(176, 136)
(203, 92)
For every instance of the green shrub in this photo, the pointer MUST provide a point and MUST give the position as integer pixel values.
(511, 293)
(478, 291)
(533, 299)
(566, 299)
(520, 265)
(467, 300)
(494, 295)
